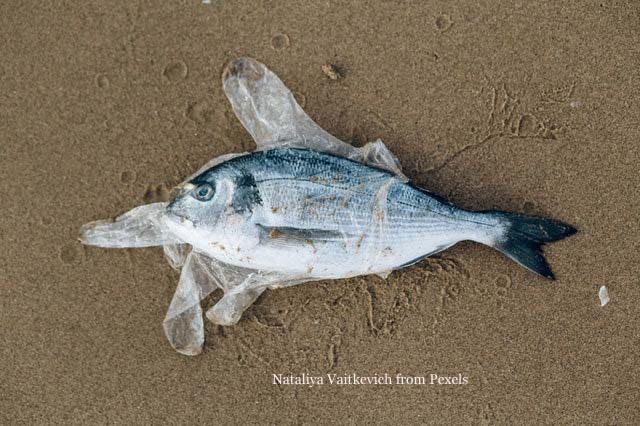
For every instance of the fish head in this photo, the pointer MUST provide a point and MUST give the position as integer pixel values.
(201, 203)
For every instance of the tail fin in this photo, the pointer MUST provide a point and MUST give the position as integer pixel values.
(524, 236)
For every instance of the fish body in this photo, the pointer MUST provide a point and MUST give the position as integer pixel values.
(302, 212)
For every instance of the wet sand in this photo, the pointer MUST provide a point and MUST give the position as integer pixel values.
(529, 108)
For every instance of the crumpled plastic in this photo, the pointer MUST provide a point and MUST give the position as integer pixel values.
(270, 113)
(603, 294)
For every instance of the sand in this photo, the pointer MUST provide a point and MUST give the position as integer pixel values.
(522, 107)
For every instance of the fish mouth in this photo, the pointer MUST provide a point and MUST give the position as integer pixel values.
(175, 212)
(173, 206)
(177, 206)
(177, 215)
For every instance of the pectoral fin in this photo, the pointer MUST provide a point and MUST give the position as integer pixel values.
(294, 236)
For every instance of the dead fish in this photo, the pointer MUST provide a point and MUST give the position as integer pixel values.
(302, 212)
(305, 206)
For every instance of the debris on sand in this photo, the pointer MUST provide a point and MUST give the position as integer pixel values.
(331, 71)
(603, 294)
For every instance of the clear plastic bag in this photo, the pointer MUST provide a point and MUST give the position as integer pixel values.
(269, 112)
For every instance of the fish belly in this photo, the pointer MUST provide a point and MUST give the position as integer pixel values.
(334, 232)
(327, 217)
(369, 253)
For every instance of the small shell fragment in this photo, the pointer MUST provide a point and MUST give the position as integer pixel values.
(603, 294)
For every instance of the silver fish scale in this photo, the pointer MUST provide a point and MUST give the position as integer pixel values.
(311, 190)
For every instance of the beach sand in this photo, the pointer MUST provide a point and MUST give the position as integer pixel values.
(531, 108)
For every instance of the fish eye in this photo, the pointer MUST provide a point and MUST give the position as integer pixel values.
(203, 192)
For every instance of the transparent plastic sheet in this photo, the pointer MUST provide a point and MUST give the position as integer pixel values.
(176, 254)
(201, 275)
(139, 227)
(183, 324)
(269, 112)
